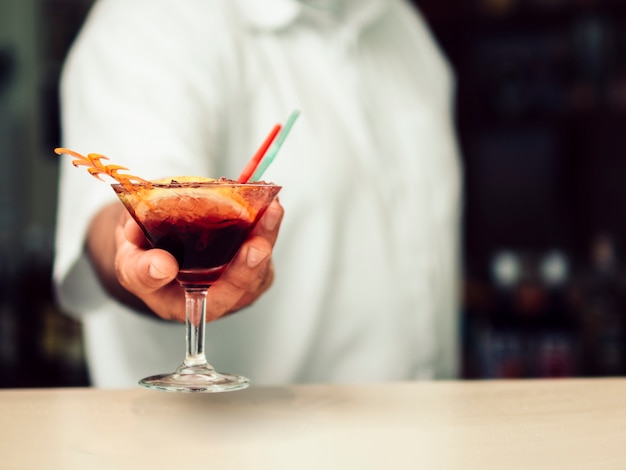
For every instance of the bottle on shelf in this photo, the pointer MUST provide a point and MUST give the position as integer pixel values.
(602, 311)
(500, 344)
(555, 348)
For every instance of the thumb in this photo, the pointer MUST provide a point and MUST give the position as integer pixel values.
(139, 270)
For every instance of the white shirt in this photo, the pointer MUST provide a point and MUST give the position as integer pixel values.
(367, 257)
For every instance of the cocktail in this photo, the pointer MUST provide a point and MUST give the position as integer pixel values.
(202, 223)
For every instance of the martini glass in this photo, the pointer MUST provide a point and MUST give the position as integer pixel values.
(202, 223)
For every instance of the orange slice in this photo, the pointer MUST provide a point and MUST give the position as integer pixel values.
(190, 202)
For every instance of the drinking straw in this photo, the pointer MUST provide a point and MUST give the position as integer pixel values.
(256, 158)
(273, 150)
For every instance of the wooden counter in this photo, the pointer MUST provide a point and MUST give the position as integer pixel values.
(560, 424)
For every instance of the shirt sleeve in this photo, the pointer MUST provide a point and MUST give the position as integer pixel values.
(135, 88)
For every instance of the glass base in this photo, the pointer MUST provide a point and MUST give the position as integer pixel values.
(198, 379)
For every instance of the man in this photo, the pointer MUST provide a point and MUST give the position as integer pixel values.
(367, 261)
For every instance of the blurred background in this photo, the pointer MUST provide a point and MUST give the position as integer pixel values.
(541, 114)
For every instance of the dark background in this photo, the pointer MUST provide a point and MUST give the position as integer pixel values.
(541, 118)
(541, 113)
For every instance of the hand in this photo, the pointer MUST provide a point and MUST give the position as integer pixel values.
(150, 274)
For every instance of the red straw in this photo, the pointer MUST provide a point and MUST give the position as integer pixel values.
(248, 171)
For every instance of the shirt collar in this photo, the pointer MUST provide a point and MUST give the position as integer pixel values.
(274, 15)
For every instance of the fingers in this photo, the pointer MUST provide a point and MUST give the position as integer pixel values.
(248, 276)
(251, 272)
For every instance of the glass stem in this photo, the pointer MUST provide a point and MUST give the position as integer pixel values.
(195, 305)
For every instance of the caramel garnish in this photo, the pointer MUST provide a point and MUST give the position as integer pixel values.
(96, 168)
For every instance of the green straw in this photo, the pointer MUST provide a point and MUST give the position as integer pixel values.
(273, 150)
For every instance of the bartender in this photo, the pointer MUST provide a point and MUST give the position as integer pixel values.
(361, 285)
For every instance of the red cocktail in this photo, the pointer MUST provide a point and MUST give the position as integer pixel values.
(202, 223)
